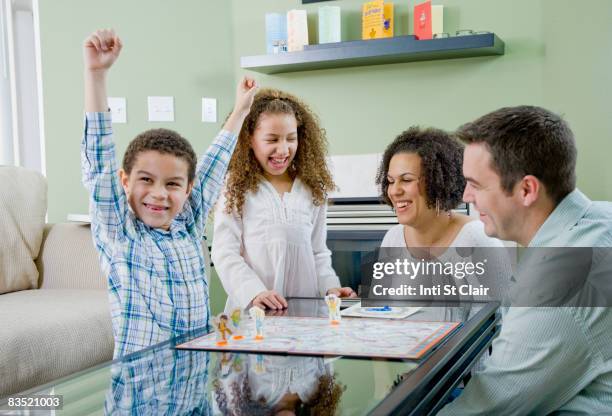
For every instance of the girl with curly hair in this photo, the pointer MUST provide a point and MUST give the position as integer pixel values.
(270, 232)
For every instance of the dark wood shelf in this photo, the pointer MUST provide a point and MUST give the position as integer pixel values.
(375, 52)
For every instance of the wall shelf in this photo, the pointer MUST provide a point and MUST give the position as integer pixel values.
(375, 52)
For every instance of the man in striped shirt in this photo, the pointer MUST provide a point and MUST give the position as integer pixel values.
(148, 221)
(519, 165)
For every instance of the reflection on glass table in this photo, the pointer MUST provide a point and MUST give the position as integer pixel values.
(164, 380)
(247, 384)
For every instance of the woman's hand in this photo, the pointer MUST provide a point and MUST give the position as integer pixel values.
(270, 299)
(342, 292)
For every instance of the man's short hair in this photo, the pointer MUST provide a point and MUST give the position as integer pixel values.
(527, 140)
(163, 141)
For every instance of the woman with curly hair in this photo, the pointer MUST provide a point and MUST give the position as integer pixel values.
(421, 177)
(270, 233)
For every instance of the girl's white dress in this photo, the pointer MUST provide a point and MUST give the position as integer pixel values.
(279, 244)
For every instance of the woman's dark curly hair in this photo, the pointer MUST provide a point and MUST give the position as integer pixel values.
(441, 159)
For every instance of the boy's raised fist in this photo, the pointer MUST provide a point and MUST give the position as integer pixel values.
(101, 49)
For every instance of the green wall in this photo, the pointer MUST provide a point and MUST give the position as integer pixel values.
(182, 51)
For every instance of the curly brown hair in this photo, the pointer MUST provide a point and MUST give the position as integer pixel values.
(245, 173)
(441, 162)
(163, 141)
(324, 401)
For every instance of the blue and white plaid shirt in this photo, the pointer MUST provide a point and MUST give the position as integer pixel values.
(161, 381)
(157, 279)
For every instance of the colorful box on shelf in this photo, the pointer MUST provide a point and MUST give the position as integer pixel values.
(297, 30)
(376, 20)
(329, 24)
(428, 20)
(437, 19)
(276, 32)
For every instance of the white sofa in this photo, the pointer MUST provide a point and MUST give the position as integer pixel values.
(54, 310)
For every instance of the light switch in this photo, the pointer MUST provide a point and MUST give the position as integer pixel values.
(161, 108)
(118, 109)
(209, 110)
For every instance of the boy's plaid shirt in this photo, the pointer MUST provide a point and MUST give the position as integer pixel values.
(160, 381)
(157, 279)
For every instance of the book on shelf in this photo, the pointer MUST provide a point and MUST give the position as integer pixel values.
(297, 30)
(437, 19)
(422, 21)
(388, 20)
(372, 14)
(329, 24)
(376, 20)
(276, 32)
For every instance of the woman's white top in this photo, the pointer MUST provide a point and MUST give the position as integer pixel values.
(479, 247)
(278, 244)
(472, 234)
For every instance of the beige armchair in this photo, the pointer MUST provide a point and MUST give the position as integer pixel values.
(54, 310)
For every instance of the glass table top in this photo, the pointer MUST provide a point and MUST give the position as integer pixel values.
(165, 380)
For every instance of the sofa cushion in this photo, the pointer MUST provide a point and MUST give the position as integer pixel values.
(23, 204)
(68, 258)
(47, 334)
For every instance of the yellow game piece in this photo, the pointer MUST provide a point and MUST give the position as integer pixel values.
(221, 329)
(333, 307)
(236, 318)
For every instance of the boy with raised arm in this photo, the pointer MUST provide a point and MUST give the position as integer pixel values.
(148, 220)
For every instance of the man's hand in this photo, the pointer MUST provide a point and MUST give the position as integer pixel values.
(100, 50)
(342, 292)
(270, 299)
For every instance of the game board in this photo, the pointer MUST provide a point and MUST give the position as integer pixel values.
(356, 337)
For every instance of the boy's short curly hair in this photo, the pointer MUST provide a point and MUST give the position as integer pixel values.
(163, 141)
(441, 165)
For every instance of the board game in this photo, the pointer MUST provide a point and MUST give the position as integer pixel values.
(384, 338)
